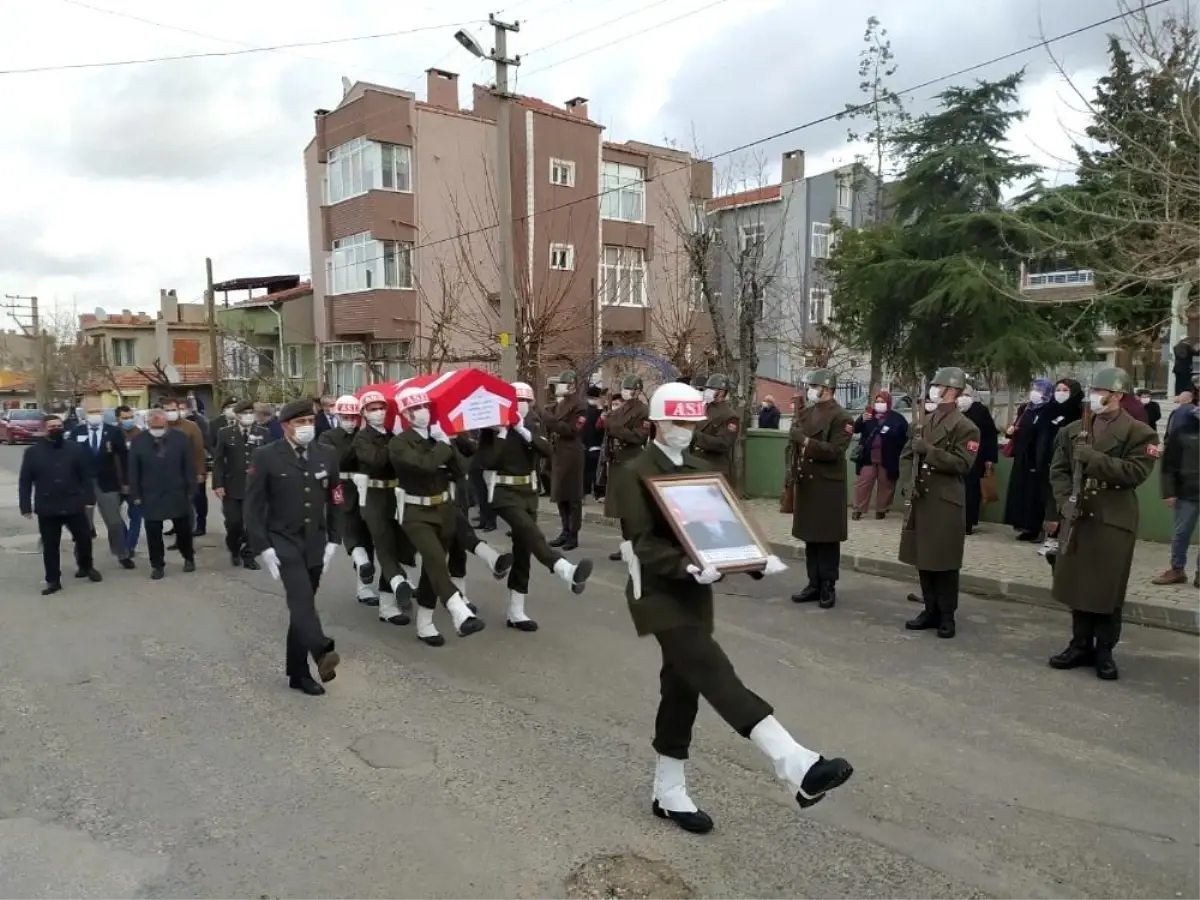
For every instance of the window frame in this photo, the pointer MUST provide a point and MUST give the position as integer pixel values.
(567, 166)
(628, 267)
(568, 252)
(621, 182)
(357, 167)
(823, 232)
(844, 185)
(818, 296)
(132, 345)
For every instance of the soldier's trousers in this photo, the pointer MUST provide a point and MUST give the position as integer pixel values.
(1103, 628)
(235, 528)
(432, 536)
(520, 511)
(695, 666)
(939, 590)
(305, 634)
(379, 515)
(570, 513)
(465, 541)
(823, 561)
(354, 530)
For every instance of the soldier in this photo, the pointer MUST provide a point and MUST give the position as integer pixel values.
(375, 483)
(544, 414)
(940, 452)
(509, 458)
(426, 467)
(628, 430)
(566, 423)
(819, 437)
(671, 598)
(717, 434)
(292, 495)
(356, 537)
(466, 539)
(1106, 463)
(232, 452)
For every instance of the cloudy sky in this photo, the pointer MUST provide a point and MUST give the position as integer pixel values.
(122, 178)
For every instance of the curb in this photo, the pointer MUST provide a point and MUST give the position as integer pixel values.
(1137, 612)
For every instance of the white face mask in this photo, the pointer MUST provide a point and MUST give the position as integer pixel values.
(1062, 396)
(592, 401)
(304, 434)
(813, 394)
(1096, 402)
(157, 432)
(247, 419)
(229, 413)
(709, 395)
(522, 408)
(560, 390)
(173, 415)
(677, 437)
(626, 394)
(419, 417)
(935, 392)
(880, 407)
(1144, 400)
(964, 403)
(375, 416)
(1035, 396)
(95, 420)
(930, 406)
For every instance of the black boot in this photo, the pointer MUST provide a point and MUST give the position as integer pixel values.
(1081, 650)
(926, 619)
(822, 777)
(562, 538)
(828, 595)
(1106, 668)
(615, 556)
(946, 628)
(698, 822)
(235, 558)
(810, 593)
(571, 543)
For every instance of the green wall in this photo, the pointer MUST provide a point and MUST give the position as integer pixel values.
(764, 478)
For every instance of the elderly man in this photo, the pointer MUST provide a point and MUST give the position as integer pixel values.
(162, 482)
(108, 459)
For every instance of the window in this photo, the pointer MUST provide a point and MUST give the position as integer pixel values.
(360, 165)
(624, 276)
(699, 217)
(123, 352)
(266, 361)
(390, 360)
(753, 237)
(562, 173)
(562, 256)
(822, 240)
(818, 306)
(624, 193)
(293, 361)
(185, 352)
(345, 367)
(241, 362)
(845, 193)
(361, 263)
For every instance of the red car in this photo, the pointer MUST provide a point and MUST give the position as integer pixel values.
(20, 426)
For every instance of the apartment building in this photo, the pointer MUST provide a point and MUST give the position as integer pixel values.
(269, 351)
(405, 259)
(771, 243)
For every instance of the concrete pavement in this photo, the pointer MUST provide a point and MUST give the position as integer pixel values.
(151, 748)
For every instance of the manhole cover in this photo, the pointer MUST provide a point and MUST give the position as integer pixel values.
(626, 876)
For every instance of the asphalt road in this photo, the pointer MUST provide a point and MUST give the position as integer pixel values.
(149, 747)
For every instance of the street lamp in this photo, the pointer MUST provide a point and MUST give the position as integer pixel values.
(472, 46)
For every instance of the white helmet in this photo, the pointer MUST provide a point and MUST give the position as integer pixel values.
(409, 398)
(677, 402)
(371, 397)
(347, 405)
(524, 391)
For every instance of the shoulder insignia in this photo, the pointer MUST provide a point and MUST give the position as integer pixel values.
(1153, 450)
(580, 421)
(733, 425)
(973, 446)
(849, 427)
(645, 426)
(338, 495)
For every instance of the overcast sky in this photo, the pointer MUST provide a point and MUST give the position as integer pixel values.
(122, 179)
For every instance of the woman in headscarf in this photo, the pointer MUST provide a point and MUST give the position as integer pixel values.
(1025, 505)
(985, 459)
(881, 434)
(1065, 408)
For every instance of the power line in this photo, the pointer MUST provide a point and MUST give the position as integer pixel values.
(596, 27)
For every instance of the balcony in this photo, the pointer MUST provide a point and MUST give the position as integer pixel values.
(1069, 278)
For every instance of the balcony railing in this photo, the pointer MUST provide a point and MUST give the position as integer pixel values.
(1036, 281)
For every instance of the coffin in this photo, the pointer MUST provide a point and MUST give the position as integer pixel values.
(467, 399)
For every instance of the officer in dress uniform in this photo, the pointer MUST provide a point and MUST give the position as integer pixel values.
(671, 598)
(566, 423)
(427, 466)
(819, 437)
(717, 434)
(292, 495)
(232, 452)
(509, 457)
(356, 537)
(1091, 572)
(628, 430)
(375, 483)
(934, 464)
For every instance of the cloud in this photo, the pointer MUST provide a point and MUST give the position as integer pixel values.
(26, 252)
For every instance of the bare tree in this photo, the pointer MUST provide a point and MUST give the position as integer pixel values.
(442, 316)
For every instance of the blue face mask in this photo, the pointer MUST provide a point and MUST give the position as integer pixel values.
(127, 424)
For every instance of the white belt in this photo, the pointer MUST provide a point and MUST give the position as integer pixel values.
(432, 500)
(635, 568)
(514, 479)
(491, 479)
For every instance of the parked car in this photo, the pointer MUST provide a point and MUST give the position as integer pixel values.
(21, 426)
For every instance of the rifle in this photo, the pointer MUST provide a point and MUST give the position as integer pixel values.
(918, 459)
(791, 472)
(1070, 511)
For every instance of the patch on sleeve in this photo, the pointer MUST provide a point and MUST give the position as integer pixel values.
(732, 426)
(646, 425)
(973, 446)
(338, 494)
(251, 470)
(1153, 450)
(849, 428)
(580, 422)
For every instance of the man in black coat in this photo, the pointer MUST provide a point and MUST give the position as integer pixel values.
(592, 436)
(56, 484)
(234, 447)
(985, 459)
(162, 481)
(326, 417)
(109, 461)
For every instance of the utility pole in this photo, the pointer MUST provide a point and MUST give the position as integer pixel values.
(24, 311)
(508, 306)
(210, 310)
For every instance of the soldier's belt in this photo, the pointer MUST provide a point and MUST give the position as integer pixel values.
(381, 483)
(514, 480)
(432, 500)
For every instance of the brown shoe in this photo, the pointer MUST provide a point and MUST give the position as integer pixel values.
(1171, 576)
(327, 665)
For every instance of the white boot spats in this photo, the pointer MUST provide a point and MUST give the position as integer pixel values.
(807, 774)
(671, 800)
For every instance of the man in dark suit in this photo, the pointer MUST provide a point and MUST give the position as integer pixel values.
(108, 461)
(162, 481)
(231, 458)
(291, 512)
(326, 417)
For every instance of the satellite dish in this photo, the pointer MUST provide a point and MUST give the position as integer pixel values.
(100, 313)
(172, 374)
(346, 85)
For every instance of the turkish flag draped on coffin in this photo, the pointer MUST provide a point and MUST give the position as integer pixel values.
(467, 399)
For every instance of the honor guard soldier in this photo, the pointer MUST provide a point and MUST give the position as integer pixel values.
(375, 484)
(1097, 468)
(292, 495)
(671, 598)
(356, 537)
(466, 538)
(933, 465)
(232, 452)
(509, 459)
(717, 435)
(426, 467)
(819, 436)
(628, 430)
(566, 423)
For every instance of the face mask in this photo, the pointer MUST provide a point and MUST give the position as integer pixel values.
(228, 412)
(626, 394)
(1062, 396)
(127, 424)
(880, 407)
(157, 432)
(931, 406)
(55, 435)
(1144, 400)
(709, 395)
(592, 401)
(247, 419)
(1035, 396)
(963, 403)
(813, 394)
(522, 408)
(173, 415)
(419, 417)
(375, 416)
(304, 434)
(935, 392)
(95, 421)
(560, 390)
(1096, 402)
(674, 436)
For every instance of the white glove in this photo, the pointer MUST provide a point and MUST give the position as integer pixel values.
(502, 432)
(438, 433)
(775, 565)
(270, 561)
(525, 433)
(707, 575)
(330, 550)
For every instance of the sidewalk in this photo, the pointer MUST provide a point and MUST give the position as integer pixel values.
(995, 566)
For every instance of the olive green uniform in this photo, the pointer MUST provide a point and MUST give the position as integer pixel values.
(354, 530)
(716, 437)
(393, 550)
(678, 611)
(232, 452)
(567, 464)
(627, 430)
(819, 437)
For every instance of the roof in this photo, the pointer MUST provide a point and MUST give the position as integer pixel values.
(141, 320)
(768, 194)
(269, 282)
(303, 289)
(132, 380)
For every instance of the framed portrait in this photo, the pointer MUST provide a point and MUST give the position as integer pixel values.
(709, 521)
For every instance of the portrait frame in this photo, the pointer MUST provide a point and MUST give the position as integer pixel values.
(672, 493)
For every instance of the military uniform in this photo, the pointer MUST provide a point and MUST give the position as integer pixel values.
(716, 437)
(567, 463)
(292, 495)
(819, 437)
(232, 452)
(1091, 575)
(356, 536)
(392, 549)
(545, 469)
(466, 538)
(935, 522)
(627, 429)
